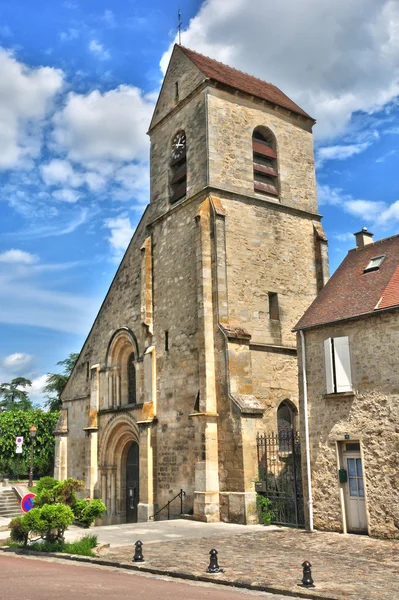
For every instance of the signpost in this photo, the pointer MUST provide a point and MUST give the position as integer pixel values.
(19, 440)
(27, 502)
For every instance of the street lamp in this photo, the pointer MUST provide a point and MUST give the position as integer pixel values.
(32, 433)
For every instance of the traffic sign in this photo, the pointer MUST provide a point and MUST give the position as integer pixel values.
(19, 440)
(27, 502)
(18, 450)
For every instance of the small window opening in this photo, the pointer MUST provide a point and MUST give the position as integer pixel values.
(273, 307)
(374, 263)
(177, 90)
(131, 379)
(352, 447)
(87, 370)
(265, 162)
(166, 341)
(197, 402)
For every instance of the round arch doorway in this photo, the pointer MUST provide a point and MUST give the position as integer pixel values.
(132, 482)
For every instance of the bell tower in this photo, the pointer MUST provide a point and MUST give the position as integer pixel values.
(234, 154)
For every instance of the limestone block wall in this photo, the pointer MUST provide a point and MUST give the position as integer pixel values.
(370, 415)
(76, 441)
(190, 118)
(268, 250)
(231, 123)
(176, 312)
(181, 71)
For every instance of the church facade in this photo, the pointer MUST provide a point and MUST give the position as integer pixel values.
(192, 352)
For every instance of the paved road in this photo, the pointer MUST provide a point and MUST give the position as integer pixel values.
(162, 531)
(23, 578)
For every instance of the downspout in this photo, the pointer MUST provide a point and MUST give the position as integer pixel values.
(307, 445)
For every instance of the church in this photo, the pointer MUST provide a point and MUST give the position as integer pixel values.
(192, 353)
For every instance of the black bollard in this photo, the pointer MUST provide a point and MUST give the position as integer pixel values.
(138, 552)
(307, 581)
(213, 563)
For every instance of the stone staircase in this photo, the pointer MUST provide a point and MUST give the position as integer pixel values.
(10, 504)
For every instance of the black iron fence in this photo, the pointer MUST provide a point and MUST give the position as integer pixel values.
(280, 477)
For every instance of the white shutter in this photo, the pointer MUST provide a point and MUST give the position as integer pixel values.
(342, 364)
(328, 366)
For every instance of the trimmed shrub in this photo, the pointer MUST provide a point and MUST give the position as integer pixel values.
(87, 511)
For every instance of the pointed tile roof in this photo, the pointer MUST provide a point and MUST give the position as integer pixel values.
(351, 292)
(238, 80)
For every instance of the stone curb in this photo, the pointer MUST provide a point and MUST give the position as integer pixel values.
(176, 574)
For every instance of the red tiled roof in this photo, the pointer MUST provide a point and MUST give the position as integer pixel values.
(350, 292)
(242, 81)
(390, 296)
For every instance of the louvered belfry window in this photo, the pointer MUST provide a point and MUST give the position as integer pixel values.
(178, 167)
(265, 162)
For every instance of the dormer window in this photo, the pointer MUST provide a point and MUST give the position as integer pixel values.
(178, 167)
(374, 263)
(265, 162)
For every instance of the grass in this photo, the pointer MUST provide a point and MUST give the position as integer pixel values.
(83, 547)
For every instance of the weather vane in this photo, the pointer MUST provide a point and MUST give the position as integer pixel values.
(179, 24)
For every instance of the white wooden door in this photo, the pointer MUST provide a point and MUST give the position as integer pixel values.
(356, 520)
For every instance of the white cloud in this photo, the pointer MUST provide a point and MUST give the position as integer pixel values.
(332, 58)
(66, 195)
(36, 390)
(69, 35)
(121, 233)
(18, 364)
(105, 127)
(18, 256)
(376, 212)
(339, 152)
(25, 98)
(99, 50)
(109, 18)
(60, 311)
(58, 172)
(344, 237)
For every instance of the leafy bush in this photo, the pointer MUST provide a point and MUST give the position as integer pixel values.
(52, 491)
(48, 522)
(83, 547)
(45, 483)
(265, 508)
(19, 532)
(87, 511)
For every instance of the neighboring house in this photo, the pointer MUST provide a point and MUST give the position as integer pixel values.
(350, 335)
(192, 352)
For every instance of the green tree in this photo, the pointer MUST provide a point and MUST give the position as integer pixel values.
(18, 422)
(15, 398)
(57, 381)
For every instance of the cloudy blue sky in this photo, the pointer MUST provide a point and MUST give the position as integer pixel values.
(78, 82)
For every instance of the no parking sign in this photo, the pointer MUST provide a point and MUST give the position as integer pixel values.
(27, 502)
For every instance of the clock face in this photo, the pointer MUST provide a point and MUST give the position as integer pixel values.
(179, 145)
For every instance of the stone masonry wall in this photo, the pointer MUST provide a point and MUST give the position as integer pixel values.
(370, 416)
(230, 129)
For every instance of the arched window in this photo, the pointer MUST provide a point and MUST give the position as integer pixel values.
(131, 379)
(286, 424)
(178, 167)
(265, 161)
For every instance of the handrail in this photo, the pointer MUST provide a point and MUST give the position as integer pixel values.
(180, 495)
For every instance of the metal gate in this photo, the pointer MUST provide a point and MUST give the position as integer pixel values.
(280, 477)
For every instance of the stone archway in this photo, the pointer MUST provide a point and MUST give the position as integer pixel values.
(119, 435)
(121, 363)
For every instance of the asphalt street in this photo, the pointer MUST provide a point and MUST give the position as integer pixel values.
(31, 578)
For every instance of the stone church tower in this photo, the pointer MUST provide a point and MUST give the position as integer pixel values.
(192, 352)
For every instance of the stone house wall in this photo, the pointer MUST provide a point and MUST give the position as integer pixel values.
(370, 415)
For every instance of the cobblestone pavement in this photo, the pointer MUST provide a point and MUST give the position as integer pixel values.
(343, 566)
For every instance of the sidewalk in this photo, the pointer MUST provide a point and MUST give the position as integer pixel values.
(343, 566)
